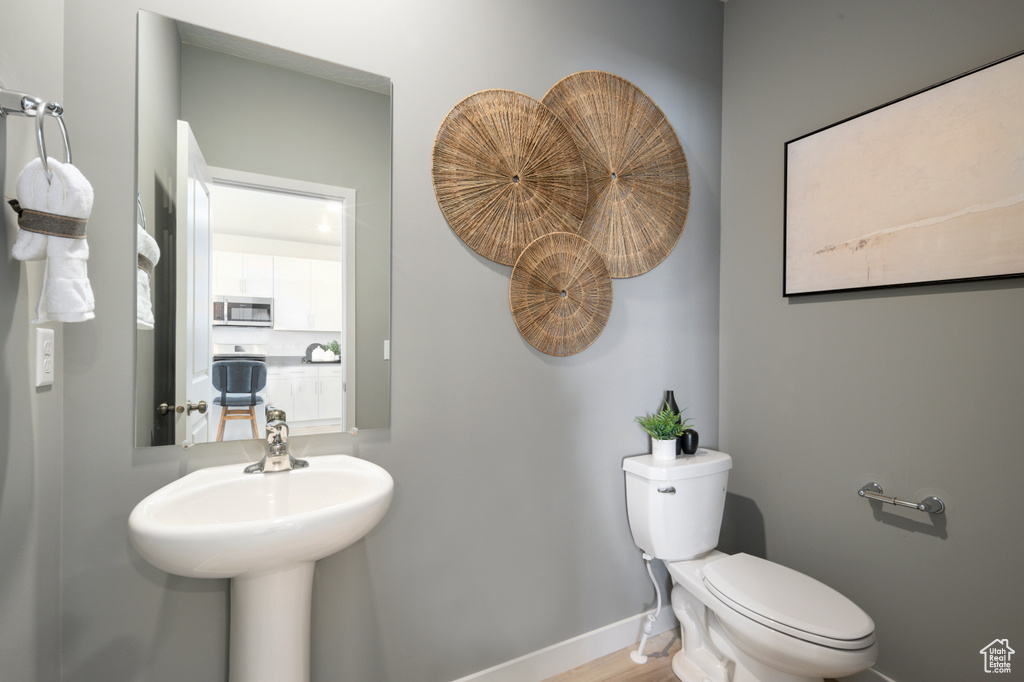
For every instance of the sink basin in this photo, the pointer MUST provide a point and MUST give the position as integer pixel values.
(265, 531)
(221, 522)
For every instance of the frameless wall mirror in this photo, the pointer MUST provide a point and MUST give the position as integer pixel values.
(264, 235)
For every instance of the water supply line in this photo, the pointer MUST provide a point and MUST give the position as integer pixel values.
(639, 656)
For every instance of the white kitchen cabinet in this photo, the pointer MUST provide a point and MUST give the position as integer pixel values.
(228, 272)
(325, 295)
(279, 389)
(307, 393)
(291, 293)
(307, 294)
(307, 399)
(243, 274)
(332, 392)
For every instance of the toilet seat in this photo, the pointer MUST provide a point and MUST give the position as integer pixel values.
(789, 602)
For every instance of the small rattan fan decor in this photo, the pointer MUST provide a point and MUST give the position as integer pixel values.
(506, 171)
(639, 192)
(560, 293)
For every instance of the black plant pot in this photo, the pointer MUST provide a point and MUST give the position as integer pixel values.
(688, 442)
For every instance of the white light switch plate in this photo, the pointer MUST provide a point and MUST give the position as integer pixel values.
(45, 353)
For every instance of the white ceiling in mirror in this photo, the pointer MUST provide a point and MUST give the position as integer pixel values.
(272, 215)
(259, 52)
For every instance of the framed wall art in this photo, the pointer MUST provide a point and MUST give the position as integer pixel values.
(928, 188)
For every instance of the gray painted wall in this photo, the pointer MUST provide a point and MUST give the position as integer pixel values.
(920, 388)
(506, 460)
(30, 436)
(159, 108)
(508, 531)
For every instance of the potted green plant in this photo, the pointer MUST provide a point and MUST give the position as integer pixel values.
(664, 428)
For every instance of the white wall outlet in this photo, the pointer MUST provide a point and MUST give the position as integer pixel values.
(387, 349)
(45, 356)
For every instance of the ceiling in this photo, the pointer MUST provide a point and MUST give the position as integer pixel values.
(272, 215)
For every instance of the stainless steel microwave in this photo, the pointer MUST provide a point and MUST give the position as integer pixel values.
(243, 311)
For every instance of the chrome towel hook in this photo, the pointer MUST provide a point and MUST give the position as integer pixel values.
(55, 110)
(930, 504)
(20, 104)
(142, 211)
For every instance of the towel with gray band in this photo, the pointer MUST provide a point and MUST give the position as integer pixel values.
(53, 208)
(149, 256)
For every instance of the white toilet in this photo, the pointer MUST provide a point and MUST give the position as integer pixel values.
(743, 619)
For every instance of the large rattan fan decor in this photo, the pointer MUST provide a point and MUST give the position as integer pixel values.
(506, 171)
(560, 293)
(639, 192)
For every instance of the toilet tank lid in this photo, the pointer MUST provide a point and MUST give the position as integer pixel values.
(704, 463)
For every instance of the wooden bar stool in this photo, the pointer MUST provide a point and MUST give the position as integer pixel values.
(238, 382)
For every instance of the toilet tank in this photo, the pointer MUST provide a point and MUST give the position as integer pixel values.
(675, 507)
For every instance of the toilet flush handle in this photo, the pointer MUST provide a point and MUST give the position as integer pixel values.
(670, 490)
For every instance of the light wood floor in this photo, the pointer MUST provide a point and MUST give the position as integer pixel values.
(619, 667)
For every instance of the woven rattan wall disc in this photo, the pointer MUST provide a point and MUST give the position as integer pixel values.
(506, 171)
(561, 293)
(639, 192)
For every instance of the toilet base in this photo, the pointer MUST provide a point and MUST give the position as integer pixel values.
(747, 668)
(709, 655)
(699, 660)
(689, 671)
(741, 668)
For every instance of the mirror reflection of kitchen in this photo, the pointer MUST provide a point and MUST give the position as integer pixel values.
(278, 287)
(255, 221)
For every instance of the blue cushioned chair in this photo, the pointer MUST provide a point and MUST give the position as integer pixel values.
(238, 382)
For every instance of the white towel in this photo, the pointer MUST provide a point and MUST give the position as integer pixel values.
(63, 191)
(150, 251)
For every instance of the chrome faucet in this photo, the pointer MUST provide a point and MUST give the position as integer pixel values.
(277, 457)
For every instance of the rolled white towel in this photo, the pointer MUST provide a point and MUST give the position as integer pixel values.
(62, 193)
(149, 256)
(34, 191)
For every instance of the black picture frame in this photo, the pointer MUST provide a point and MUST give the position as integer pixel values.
(925, 189)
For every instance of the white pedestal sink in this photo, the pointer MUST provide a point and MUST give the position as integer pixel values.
(265, 531)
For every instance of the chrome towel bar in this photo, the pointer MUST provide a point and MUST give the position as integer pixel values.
(930, 504)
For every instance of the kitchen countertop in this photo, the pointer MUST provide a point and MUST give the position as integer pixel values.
(294, 361)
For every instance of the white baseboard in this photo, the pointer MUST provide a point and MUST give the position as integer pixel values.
(566, 655)
(869, 675)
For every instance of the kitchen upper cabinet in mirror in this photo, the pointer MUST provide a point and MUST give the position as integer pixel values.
(264, 196)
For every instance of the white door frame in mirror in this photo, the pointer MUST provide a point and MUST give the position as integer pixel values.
(266, 183)
(192, 385)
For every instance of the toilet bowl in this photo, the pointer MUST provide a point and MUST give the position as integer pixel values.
(743, 618)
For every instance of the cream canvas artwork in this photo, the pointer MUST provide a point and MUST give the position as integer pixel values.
(929, 188)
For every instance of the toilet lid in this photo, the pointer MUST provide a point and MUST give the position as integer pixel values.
(788, 601)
